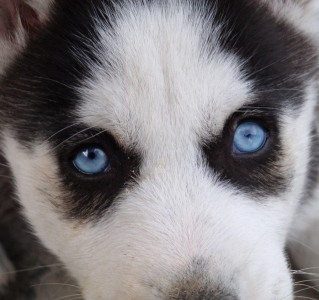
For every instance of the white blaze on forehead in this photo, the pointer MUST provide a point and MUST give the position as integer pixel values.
(167, 81)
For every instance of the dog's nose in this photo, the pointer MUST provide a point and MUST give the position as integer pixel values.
(190, 292)
(195, 283)
(198, 289)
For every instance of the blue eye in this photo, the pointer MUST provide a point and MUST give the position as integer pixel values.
(91, 161)
(249, 137)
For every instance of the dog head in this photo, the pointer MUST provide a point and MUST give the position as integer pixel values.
(161, 148)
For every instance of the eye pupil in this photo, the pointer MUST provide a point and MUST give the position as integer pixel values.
(91, 155)
(249, 137)
(91, 161)
(247, 134)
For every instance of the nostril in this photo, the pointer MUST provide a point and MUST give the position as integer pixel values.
(196, 295)
(189, 293)
(195, 289)
(195, 283)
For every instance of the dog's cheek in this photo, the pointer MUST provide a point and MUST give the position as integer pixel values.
(148, 243)
(153, 237)
(37, 187)
(296, 139)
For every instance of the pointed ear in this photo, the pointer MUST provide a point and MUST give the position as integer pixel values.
(19, 21)
(22, 16)
(302, 14)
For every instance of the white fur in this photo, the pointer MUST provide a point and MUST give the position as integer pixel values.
(303, 238)
(164, 96)
(164, 79)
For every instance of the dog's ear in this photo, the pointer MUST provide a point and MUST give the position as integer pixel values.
(19, 21)
(302, 14)
(22, 17)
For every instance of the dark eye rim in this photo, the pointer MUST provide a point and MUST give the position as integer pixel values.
(84, 195)
(124, 162)
(259, 173)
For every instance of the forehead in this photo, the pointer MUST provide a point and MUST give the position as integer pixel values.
(161, 78)
(158, 78)
(180, 69)
(139, 69)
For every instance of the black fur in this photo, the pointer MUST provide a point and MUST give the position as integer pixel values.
(258, 173)
(90, 196)
(39, 95)
(278, 61)
(276, 57)
(40, 98)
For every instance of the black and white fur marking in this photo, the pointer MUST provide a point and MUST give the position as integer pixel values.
(161, 87)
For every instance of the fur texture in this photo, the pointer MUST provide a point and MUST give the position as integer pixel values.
(161, 87)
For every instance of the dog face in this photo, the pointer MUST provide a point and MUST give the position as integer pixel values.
(161, 149)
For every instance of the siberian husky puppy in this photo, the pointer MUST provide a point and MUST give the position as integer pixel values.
(166, 149)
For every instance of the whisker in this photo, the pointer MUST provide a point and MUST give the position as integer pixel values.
(308, 287)
(309, 268)
(4, 165)
(77, 298)
(306, 246)
(69, 296)
(33, 269)
(304, 297)
(307, 280)
(304, 273)
(307, 273)
(70, 138)
(40, 78)
(93, 136)
(55, 284)
(7, 176)
(280, 90)
(270, 65)
(61, 130)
